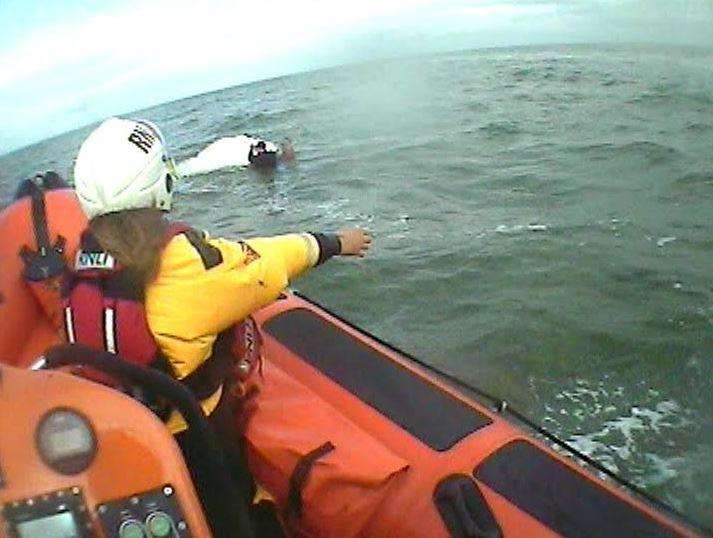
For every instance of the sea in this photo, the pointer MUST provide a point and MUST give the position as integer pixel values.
(542, 221)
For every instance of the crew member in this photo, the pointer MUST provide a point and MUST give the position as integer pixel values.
(166, 295)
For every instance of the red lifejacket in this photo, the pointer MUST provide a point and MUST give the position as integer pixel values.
(103, 309)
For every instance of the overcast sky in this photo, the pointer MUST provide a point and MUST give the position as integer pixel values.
(67, 63)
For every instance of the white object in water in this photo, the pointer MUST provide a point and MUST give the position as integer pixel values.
(537, 227)
(223, 153)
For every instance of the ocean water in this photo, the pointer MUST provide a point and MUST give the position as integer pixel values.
(543, 222)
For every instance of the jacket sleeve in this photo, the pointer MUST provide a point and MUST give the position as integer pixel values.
(203, 287)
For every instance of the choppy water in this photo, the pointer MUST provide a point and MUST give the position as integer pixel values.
(542, 220)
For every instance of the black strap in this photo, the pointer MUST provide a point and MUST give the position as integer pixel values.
(47, 181)
(39, 217)
(47, 261)
(464, 509)
(215, 370)
(210, 255)
(159, 405)
(299, 477)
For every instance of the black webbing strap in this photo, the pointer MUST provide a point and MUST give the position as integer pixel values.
(47, 261)
(215, 370)
(299, 477)
(39, 218)
(464, 510)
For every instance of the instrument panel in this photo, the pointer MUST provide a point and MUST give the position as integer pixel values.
(79, 460)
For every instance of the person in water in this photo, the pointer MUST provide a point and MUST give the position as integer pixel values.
(165, 295)
(241, 150)
(260, 157)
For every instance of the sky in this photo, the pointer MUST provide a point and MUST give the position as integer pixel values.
(67, 63)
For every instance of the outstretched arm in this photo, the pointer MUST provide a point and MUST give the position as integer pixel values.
(202, 289)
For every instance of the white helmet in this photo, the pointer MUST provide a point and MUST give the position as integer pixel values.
(123, 164)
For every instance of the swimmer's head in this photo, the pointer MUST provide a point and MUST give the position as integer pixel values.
(260, 157)
(264, 160)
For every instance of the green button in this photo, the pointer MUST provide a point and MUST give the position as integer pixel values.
(132, 529)
(160, 525)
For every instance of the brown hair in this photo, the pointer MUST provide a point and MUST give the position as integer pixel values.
(135, 237)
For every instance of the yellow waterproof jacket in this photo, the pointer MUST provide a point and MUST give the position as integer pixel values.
(204, 286)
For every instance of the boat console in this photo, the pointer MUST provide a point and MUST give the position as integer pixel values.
(80, 460)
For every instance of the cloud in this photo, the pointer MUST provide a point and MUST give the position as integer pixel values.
(126, 55)
(168, 35)
(74, 70)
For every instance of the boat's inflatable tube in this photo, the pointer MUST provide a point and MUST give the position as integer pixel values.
(26, 327)
(355, 439)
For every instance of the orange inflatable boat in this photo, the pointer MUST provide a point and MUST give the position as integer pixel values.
(348, 435)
